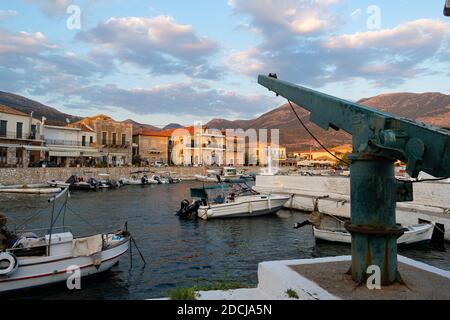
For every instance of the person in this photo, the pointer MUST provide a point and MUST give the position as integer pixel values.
(5, 235)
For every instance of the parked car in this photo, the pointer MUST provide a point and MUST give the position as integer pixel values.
(159, 164)
(43, 163)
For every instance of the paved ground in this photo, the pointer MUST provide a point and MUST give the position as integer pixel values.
(420, 284)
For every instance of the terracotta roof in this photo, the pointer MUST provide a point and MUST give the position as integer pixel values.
(152, 133)
(9, 110)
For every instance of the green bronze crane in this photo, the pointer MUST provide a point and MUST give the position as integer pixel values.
(379, 140)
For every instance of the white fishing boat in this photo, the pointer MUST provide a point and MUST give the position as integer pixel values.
(211, 176)
(243, 206)
(412, 234)
(33, 260)
(238, 200)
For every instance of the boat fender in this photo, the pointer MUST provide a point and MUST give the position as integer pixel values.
(13, 263)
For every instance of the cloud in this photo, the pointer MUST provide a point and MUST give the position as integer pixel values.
(301, 45)
(4, 14)
(410, 35)
(278, 22)
(51, 8)
(35, 64)
(355, 15)
(158, 44)
(193, 98)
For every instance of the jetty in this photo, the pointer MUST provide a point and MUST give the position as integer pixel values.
(431, 200)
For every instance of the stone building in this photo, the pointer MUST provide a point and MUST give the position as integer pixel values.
(21, 140)
(113, 138)
(152, 146)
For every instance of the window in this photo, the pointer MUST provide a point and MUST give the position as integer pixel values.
(91, 140)
(124, 139)
(103, 137)
(19, 129)
(114, 138)
(3, 125)
(33, 131)
(83, 141)
(3, 154)
(19, 155)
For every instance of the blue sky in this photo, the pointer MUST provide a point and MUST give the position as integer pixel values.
(183, 61)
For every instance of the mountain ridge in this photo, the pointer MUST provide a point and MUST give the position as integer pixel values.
(432, 108)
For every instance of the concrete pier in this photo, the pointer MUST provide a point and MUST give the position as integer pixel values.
(431, 199)
(326, 279)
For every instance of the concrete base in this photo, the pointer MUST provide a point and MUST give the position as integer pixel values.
(325, 279)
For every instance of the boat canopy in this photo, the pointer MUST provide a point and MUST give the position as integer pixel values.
(202, 193)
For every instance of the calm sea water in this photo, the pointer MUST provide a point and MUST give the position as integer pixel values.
(179, 253)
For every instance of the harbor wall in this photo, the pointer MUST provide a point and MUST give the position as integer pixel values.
(21, 176)
(431, 199)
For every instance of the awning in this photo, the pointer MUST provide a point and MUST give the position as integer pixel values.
(35, 148)
(93, 154)
(64, 153)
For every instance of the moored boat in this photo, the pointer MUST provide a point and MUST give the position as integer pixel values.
(412, 234)
(230, 201)
(30, 260)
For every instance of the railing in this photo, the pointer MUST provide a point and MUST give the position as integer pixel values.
(116, 144)
(63, 142)
(18, 136)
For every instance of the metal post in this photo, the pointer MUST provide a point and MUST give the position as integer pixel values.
(373, 226)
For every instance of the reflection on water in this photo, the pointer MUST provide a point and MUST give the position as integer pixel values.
(179, 253)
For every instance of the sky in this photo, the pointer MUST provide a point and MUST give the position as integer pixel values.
(178, 61)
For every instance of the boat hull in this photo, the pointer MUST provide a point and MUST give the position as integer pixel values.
(35, 272)
(415, 234)
(245, 208)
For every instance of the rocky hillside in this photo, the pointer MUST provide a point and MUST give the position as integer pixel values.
(432, 108)
(26, 105)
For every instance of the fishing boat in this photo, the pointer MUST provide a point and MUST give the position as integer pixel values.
(106, 182)
(230, 201)
(332, 229)
(227, 174)
(167, 176)
(211, 176)
(412, 234)
(32, 260)
(75, 183)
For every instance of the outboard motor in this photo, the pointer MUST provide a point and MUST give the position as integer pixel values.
(158, 179)
(189, 210)
(218, 178)
(71, 181)
(93, 182)
(170, 180)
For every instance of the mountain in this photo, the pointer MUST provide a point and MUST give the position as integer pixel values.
(40, 110)
(172, 126)
(137, 125)
(431, 108)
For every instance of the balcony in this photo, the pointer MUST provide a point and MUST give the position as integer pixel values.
(15, 136)
(55, 142)
(115, 144)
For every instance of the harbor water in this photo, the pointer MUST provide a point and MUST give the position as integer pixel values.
(179, 253)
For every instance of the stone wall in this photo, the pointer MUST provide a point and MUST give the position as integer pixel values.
(19, 176)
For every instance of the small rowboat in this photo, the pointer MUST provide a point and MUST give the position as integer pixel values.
(413, 234)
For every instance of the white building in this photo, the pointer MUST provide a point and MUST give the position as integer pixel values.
(68, 146)
(20, 138)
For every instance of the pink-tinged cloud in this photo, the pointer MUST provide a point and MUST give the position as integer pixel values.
(417, 33)
(159, 44)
